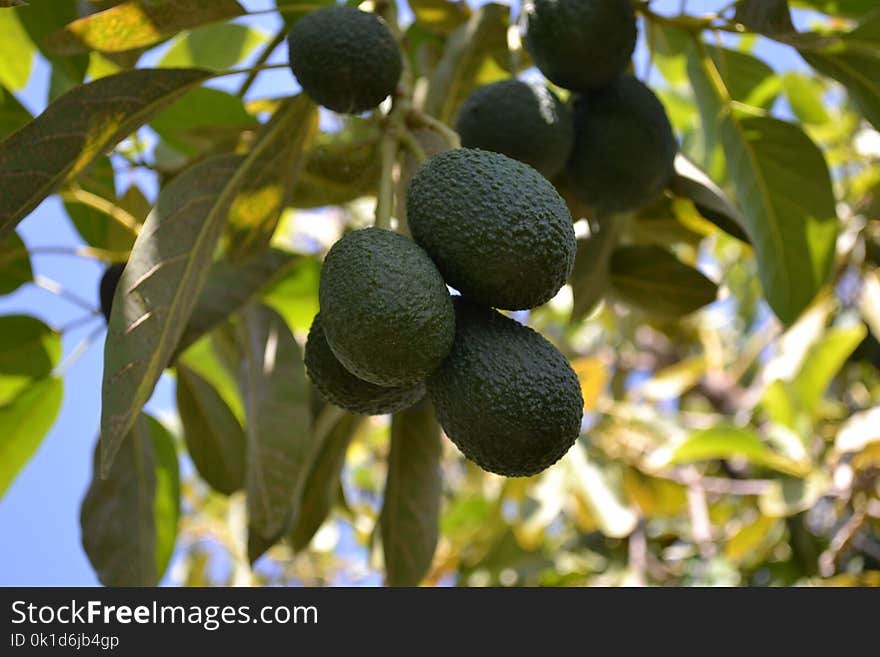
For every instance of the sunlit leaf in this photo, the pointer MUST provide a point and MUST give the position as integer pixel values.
(13, 114)
(138, 23)
(215, 47)
(592, 372)
(24, 422)
(653, 496)
(731, 442)
(322, 486)
(202, 359)
(280, 445)
(75, 130)
(710, 200)
(784, 189)
(440, 16)
(824, 362)
(787, 497)
(29, 353)
(295, 295)
(15, 264)
(655, 281)
(602, 497)
(214, 438)
(753, 541)
(43, 17)
(254, 215)
(859, 430)
(16, 52)
(673, 381)
(805, 96)
(411, 506)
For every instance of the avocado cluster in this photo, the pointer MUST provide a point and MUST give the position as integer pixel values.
(612, 145)
(388, 330)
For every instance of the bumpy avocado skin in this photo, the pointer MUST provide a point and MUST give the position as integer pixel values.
(345, 59)
(344, 389)
(505, 396)
(498, 231)
(525, 121)
(580, 44)
(624, 150)
(385, 309)
(107, 288)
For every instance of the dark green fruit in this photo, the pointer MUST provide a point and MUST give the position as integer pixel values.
(385, 309)
(624, 150)
(580, 44)
(344, 389)
(497, 229)
(505, 396)
(345, 59)
(109, 283)
(525, 121)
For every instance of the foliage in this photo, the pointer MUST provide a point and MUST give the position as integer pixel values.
(725, 336)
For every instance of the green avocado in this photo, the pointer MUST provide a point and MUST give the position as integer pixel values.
(505, 396)
(345, 59)
(580, 44)
(344, 389)
(624, 150)
(497, 229)
(107, 287)
(385, 309)
(523, 120)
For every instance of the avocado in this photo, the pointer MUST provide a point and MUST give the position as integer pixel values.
(345, 59)
(580, 44)
(624, 149)
(497, 229)
(344, 389)
(385, 309)
(505, 396)
(523, 120)
(107, 287)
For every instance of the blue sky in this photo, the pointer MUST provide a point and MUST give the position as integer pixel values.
(39, 515)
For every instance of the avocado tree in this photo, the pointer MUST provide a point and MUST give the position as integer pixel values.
(661, 222)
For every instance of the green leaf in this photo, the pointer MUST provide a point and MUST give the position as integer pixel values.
(322, 487)
(13, 115)
(410, 516)
(805, 97)
(748, 79)
(118, 514)
(600, 492)
(731, 442)
(214, 437)
(229, 287)
(856, 68)
(203, 359)
(590, 277)
(75, 130)
(787, 497)
(138, 23)
(286, 140)
(823, 362)
(202, 118)
(764, 16)
(655, 281)
(784, 188)
(15, 264)
(295, 296)
(43, 17)
(280, 445)
(292, 10)
(476, 54)
(215, 47)
(16, 52)
(29, 353)
(711, 201)
(12, 3)
(166, 501)
(24, 423)
(340, 168)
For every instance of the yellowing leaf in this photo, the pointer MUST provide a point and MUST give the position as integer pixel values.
(138, 23)
(592, 372)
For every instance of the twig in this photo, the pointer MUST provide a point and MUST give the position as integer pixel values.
(428, 121)
(698, 507)
(841, 539)
(638, 553)
(718, 485)
(408, 140)
(77, 194)
(89, 252)
(388, 148)
(262, 59)
(78, 352)
(59, 290)
(75, 324)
